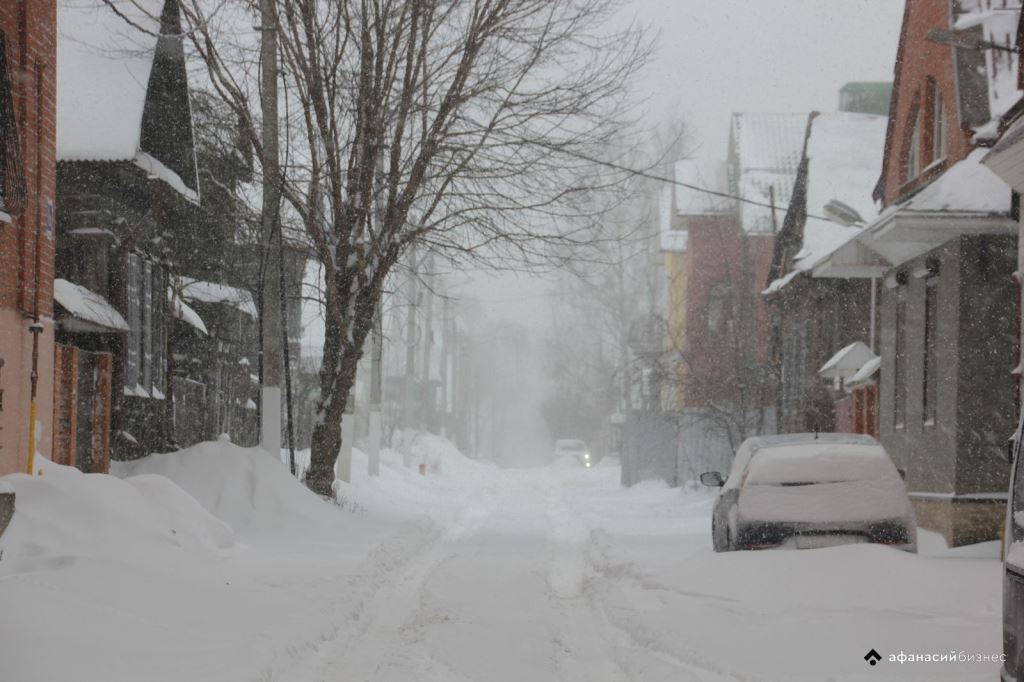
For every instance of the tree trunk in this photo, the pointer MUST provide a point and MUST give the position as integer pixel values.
(337, 377)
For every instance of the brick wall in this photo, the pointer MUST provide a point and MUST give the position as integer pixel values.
(919, 59)
(29, 27)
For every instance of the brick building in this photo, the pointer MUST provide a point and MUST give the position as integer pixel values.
(27, 196)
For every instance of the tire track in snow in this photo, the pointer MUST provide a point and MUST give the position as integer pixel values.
(388, 616)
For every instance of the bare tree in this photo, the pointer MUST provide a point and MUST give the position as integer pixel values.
(460, 125)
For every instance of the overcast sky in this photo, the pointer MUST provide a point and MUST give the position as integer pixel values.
(719, 56)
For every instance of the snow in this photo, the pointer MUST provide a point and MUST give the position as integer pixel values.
(844, 155)
(765, 150)
(103, 68)
(214, 564)
(867, 370)
(182, 311)
(708, 175)
(819, 463)
(87, 305)
(848, 361)
(999, 25)
(968, 186)
(212, 292)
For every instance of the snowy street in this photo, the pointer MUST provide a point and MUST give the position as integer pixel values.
(468, 573)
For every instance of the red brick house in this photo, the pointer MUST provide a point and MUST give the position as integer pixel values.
(27, 196)
(728, 377)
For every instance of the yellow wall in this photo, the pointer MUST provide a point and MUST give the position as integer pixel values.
(677, 271)
(16, 351)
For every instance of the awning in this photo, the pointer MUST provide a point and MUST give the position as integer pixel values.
(211, 292)
(86, 310)
(968, 199)
(182, 311)
(865, 373)
(847, 362)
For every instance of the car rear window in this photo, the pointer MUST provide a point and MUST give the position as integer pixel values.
(818, 463)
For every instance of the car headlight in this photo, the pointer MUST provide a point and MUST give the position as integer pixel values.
(586, 455)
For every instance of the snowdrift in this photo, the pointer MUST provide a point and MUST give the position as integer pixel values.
(245, 487)
(65, 513)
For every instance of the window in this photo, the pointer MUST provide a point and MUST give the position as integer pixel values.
(931, 313)
(718, 310)
(940, 140)
(900, 358)
(913, 166)
(144, 356)
(12, 180)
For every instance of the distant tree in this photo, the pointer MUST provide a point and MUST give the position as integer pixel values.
(457, 125)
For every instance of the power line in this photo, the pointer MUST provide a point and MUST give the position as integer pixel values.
(672, 181)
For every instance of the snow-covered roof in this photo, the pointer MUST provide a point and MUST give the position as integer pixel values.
(844, 156)
(711, 175)
(847, 361)
(765, 150)
(88, 306)
(821, 239)
(968, 186)
(211, 292)
(844, 153)
(671, 236)
(103, 71)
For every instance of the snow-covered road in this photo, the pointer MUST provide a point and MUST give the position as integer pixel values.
(468, 573)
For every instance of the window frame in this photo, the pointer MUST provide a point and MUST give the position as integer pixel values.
(12, 171)
(912, 164)
(939, 127)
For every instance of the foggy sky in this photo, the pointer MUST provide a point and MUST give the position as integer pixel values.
(719, 56)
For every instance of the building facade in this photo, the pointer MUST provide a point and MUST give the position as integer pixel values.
(27, 196)
(946, 239)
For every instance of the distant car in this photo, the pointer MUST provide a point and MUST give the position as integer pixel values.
(1013, 567)
(568, 447)
(811, 490)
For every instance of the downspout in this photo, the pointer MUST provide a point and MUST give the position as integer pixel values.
(36, 327)
(874, 304)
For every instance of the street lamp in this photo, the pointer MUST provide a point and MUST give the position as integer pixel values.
(966, 40)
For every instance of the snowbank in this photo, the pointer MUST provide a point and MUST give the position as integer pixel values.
(246, 487)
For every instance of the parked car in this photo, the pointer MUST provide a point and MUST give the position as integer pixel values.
(1013, 567)
(811, 490)
(573, 448)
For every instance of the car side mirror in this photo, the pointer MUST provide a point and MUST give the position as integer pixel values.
(712, 479)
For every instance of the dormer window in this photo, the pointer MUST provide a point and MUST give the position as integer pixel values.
(12, 183)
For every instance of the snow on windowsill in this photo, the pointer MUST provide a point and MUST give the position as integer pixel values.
(929, 422)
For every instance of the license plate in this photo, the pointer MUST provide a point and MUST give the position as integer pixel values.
(816, 541)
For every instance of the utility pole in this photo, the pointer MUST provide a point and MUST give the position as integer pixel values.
(428, 329)
(410, 351)
(270, 297)
(376, 391)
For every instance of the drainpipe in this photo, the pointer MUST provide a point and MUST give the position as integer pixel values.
(36, 327)
(874, 297)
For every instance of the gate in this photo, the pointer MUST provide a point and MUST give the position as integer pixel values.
(81, 404)
(649, 448)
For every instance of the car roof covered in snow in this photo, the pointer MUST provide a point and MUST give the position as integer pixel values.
(818, 462)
